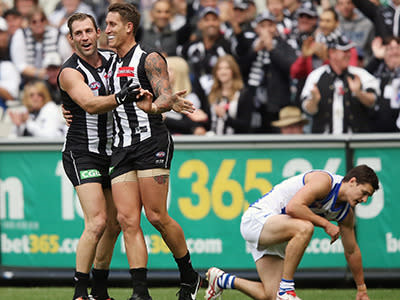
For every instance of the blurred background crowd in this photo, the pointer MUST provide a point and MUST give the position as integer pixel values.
(266, 66)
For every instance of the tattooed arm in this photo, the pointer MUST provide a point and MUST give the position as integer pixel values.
(165, 100)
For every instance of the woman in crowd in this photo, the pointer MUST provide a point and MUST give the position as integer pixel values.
(41, 117)
(231, 104)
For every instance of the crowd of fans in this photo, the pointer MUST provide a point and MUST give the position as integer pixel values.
(267, 66)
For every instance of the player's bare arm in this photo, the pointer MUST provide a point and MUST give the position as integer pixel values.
(353, 254)
(157, 73)
(317, 186)
(72, 82)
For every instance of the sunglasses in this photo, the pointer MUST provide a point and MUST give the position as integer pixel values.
(37, 21)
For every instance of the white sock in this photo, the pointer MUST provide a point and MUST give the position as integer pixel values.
(286, 285)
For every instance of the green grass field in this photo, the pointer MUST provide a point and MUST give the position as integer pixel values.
(64, 293)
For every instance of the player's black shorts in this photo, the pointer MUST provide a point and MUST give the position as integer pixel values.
(87, 167)
(153, 153)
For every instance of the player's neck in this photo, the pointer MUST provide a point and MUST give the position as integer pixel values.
(125, 48)
(94, 60)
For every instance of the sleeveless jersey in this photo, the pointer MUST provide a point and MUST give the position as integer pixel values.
(131, 124)
(281, 194)
(89, 133)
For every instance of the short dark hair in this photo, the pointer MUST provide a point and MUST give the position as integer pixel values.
(128, 13)
(80, 17)
(363, 174)
(333, 11)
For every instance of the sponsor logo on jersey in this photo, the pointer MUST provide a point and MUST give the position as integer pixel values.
(92, 173)
(94, 85)
(160, 154)
(126, 72)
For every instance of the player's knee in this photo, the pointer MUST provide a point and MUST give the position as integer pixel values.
(306, 228)
(127, 221)
(157, 219)
(96, 226)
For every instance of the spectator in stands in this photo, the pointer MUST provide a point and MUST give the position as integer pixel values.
(24, 7)
(42, 117)
(291, 121)
(385, 66)
(160, 35)
(179, 13)
(231, 104)
(52, 63)
(14, 20)
(284, 24)
(269, 58)
(339, 96)
(290, 9)
(195, 123)
(355, 26)
(203, 53)
(60, 16)
(311, 54)
(30, 45)
(9, 76)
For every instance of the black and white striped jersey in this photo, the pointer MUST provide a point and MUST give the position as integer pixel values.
(131, 124)
(89, 132)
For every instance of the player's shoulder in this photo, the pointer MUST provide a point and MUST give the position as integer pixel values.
(106, 53)
(319, 177)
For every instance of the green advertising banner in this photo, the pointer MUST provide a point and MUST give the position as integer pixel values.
(378, 222)
(41, 219)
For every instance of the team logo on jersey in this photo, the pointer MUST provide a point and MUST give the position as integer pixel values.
(160, 154)
(126, 72)
(95, 85)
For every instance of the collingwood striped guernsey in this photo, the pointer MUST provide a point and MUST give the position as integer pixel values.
(89, 133)
(131, 124)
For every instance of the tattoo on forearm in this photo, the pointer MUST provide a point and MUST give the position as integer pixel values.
(161, 179)
(157, 73)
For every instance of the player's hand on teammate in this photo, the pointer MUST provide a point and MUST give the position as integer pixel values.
(144, 100)
(67, 115)
(180, 104)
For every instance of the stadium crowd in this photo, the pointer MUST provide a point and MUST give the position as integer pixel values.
(332, 65)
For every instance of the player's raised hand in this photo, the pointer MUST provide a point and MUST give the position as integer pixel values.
(180, 104)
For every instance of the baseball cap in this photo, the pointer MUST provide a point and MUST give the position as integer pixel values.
(265, 16)
(239, 4)
(52, 59)
(341, 43)
(3, 24)
(307, 8)
(208, 10)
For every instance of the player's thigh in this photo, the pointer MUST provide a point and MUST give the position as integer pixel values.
(280, 228)
(126, 196)
(269, 269)
(92, 199)
(154, 185)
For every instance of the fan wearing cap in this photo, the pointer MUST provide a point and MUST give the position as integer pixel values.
(269, 59)
(203, 53)
(339, 96)
(52, 63)
(291, 121)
